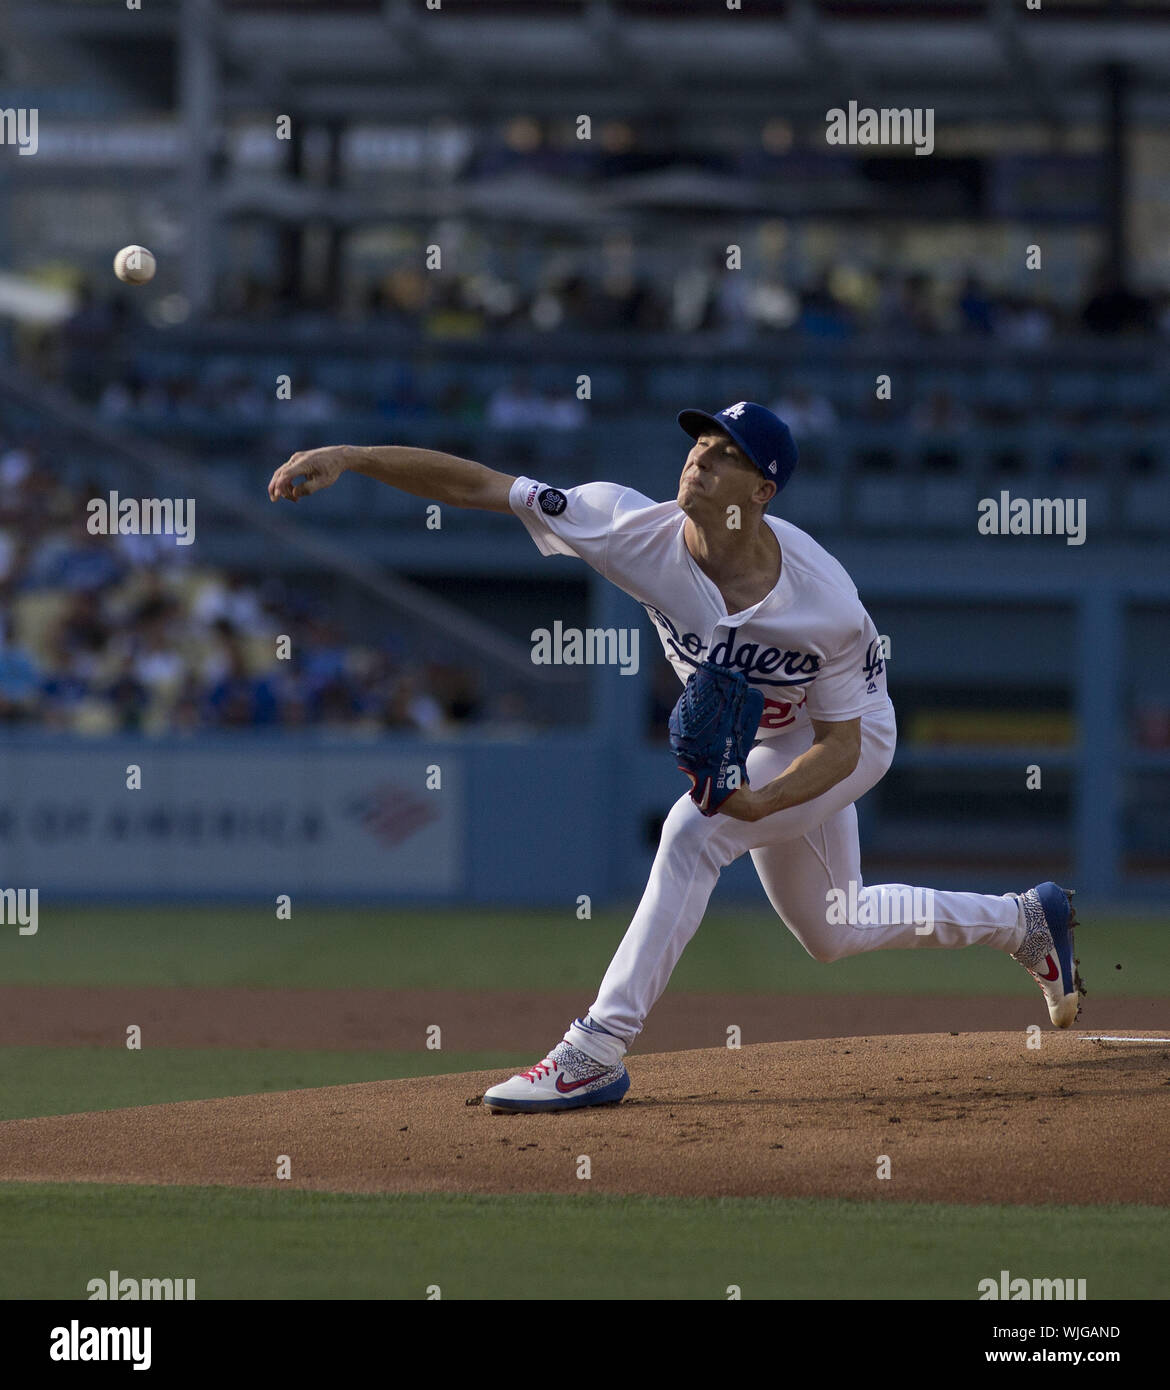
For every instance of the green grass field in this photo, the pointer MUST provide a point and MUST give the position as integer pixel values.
(287, 1245)
(734, 951)
(66, 1080)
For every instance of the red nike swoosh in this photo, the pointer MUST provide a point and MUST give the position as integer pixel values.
(576, 1085)
(702, 805)
(1053, 969)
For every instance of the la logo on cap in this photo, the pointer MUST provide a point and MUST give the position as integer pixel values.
(733, 412)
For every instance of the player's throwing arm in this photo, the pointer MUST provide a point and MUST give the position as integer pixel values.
(442, 478)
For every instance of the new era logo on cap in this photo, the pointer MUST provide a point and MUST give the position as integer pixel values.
(762, 436)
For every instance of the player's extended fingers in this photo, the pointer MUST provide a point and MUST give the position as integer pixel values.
(282, 481)
(276, 483)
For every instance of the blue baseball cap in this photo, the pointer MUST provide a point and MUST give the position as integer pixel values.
(763, 437)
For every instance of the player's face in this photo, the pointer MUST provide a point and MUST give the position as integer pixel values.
(717, 474)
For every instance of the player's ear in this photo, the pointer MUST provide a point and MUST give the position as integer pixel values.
(765, 492)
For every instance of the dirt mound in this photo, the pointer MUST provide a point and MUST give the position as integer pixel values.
(478, 1020)
(976, 1117)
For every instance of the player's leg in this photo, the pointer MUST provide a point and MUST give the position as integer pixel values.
(692, 852)
(586, 1068)
(814, 883)
(813, 880)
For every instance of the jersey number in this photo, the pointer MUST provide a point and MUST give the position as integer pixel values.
(776, 714)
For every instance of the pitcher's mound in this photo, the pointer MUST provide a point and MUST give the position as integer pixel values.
(977, 1117)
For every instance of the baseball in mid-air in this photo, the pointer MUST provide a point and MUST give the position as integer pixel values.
(134, 264)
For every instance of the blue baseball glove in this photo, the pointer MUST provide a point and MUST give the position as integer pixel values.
(712, 728)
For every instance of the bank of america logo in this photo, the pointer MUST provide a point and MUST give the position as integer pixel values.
(391, 813)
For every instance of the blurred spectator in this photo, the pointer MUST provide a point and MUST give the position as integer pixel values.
(119, 398)
(9, 549)
(76, 560)
(563, 412)
(229, 597)
(822, 314)
(907, 306)
(459, 406)
(938, 420)
(1113, 308)
(20, 685)
(240, 700)
(515, 405)
(710, 297)
(81, 637)
(15, 468)
(410, 707)
(128, 699)
(509, 717)
(806, 413)
(635, 305)
(454, 687)
(1021, 322)
(940, 414)
(976, 312)
(130, 638)
(88, 337)
(310, 403)
(155, 658)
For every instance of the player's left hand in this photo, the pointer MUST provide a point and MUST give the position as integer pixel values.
(711, 730)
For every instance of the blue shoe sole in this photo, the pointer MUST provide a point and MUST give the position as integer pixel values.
(1059, 916)
(608, 1095)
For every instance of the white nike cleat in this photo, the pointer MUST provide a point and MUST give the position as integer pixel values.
(567, 1079)
(1047, 952)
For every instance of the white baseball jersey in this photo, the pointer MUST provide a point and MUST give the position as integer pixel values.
(808, 646)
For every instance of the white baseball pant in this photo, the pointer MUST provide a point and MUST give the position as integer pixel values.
(801, 854)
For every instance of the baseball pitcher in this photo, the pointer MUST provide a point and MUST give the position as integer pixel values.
(783, 723)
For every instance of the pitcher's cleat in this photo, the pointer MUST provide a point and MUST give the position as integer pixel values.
(567, 1079)
(1047, 952)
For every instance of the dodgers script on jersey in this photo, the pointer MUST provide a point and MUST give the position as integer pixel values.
(809, 646)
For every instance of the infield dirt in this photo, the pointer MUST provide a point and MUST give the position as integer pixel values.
(973, 1117)
(481, 1020)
